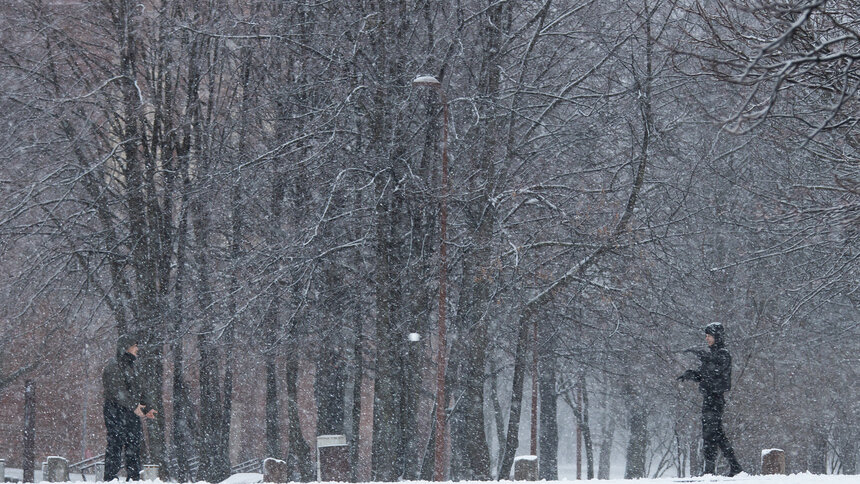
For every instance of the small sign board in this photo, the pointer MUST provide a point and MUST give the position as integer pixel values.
(332, 458)
(331, 440)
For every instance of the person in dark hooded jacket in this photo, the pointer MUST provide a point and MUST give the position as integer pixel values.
(715, 378)
(124, 404)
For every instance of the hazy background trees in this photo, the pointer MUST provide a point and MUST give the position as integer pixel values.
(254, 187)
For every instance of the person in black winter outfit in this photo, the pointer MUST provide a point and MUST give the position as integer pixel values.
(715, 378)
(124, 404)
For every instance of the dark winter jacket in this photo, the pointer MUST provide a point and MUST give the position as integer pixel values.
(120, 382)
(715, 373)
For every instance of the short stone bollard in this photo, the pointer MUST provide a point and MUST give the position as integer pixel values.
(526, 468)
(275, 470)
(773, 461)
(149, 472)
(99, 471)
(57, 469)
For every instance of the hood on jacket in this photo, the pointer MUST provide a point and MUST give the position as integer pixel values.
(718, 332)
(125, 342)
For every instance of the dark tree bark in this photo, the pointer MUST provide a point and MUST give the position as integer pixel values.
(412, 444)
(299, 458)
(848, 451)
(214, 464)
(469, 440)
(818, 451)
(143, 212)
(273, 414)
(636, 445)
(427, 466)
(358, 381)
(330, 387)
(548, 455)
(183, 430)
(471, 454)
(605, 459)
(512, 440)
(497, 411)
(586, 428)
(272, 326)
(580, 411)
(386, 409)
(695, 454)
(386, 134)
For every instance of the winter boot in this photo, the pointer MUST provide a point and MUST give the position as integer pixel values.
(735, 468)
(734, 465)
(710, 467)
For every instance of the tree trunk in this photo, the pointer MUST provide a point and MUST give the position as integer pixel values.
(497, 413)
(386, 408)
(580, 412)
(479, 271)
(605, 459)
(299, 459)
(210, 434)
(695, 461)
(512, 440)
(470, 451)
(427, 466)
(237, 225)
(272, 326)
(358, 380)
(142, 229)
(818, 452)
(636, 446)
(586, 430)
(214, 466)
(273, 417)
(848, 450)
(548, 456)
(183, 439)
(153, 369)
(330, 387)
(412, 446)
(183, 427)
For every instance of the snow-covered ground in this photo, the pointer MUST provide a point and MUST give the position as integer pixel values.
(806, 478)
(740, 479)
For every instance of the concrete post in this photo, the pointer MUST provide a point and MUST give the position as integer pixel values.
(99, 471)
(526, 468)
(57, 469)
(275, 470)
(150, 472)
(2, 470)
(773, 461)
(332, 458)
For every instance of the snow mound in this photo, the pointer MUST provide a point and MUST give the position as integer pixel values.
(244, 478)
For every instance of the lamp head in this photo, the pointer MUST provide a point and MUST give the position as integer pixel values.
(426, 81)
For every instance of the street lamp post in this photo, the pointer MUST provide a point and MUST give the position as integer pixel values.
(441, 363)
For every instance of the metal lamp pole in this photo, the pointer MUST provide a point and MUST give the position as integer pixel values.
(439, 451)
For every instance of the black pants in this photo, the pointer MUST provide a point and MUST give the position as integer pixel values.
(124, 433)
(713, 435)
